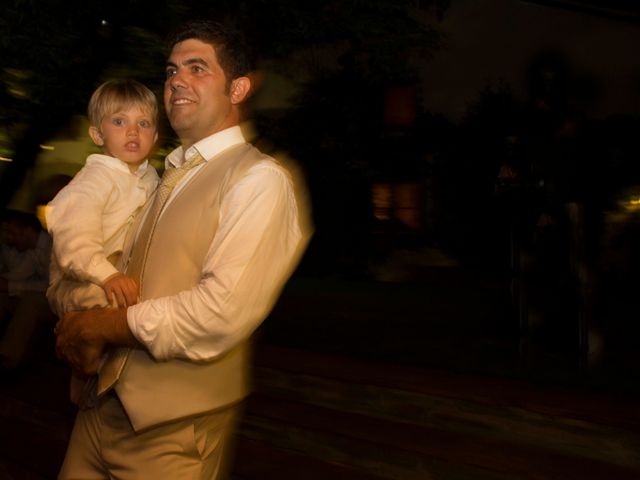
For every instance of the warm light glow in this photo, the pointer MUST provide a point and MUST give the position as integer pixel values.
(382, 200)
(407, 205)
(402, 201)
(632, 204)
(47, 147)
(41, 213)
(18, 93)
(629, 201)
(5, 159)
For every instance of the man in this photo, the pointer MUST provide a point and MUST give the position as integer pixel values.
(210, 262)
(24, 275)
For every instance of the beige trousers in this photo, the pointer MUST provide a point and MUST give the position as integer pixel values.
(103, 445)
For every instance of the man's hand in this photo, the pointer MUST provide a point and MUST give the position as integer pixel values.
(82, 337)
(121, 291)
(77, 342)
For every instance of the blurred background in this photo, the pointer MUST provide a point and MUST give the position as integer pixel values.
(474, 167)
(486, 151)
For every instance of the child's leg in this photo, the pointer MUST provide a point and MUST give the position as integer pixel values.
(82, 389)
(76, 387)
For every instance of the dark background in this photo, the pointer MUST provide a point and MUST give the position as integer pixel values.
(473, 166)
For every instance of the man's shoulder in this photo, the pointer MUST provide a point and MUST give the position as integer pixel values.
(267, 173)
(274, 160)
(247, 158)
(265, 163)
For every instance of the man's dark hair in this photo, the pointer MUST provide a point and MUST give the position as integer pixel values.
(231, 47)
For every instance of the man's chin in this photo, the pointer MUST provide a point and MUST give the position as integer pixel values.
(180, 124)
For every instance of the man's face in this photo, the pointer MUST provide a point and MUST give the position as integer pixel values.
(196, 99)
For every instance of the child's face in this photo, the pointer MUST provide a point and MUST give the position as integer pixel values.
(127, 134)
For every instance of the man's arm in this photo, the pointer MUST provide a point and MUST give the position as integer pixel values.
(255, 249)
(257, 246)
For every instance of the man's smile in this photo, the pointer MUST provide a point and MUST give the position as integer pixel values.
(181, 101)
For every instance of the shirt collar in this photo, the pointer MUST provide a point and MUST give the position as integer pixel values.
(208, 147)
(116, 164)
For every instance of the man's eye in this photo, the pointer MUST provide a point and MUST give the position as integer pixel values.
(197, 69)
(170, 72)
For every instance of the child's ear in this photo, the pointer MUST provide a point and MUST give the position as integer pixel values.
(96, 136)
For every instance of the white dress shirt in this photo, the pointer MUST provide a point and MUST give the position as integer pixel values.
(89, 218)
(257, 243)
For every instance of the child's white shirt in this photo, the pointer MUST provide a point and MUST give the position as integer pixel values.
(89, 218)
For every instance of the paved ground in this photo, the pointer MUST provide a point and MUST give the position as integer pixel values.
(360, 380)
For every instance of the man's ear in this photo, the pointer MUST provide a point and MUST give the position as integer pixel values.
(96, 136)
(239, 90)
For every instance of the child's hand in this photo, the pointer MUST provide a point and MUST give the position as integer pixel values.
(122, 291)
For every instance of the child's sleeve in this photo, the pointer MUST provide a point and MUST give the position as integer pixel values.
(74, 220)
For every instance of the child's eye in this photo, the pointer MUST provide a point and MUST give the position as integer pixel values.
(118, 122)
(145, 123)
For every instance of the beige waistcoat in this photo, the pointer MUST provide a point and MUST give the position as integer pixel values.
(152, 391)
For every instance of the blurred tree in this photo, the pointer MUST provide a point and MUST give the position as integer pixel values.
(54, 54)
(50, 58)
(338, 57)
(487, 150)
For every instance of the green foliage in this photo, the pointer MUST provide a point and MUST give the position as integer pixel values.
(379, 36)
(55, 53)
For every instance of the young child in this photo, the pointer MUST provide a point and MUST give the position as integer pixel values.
(88, 219)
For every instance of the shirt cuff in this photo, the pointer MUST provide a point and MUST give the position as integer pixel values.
(132, 323)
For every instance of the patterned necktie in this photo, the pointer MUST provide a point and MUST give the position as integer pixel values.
(117, 358)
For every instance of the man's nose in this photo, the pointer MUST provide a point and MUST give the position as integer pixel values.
(177, 80)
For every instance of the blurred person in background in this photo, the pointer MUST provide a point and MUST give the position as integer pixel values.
(23, 283)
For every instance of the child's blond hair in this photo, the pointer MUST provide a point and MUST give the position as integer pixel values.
(115, 95)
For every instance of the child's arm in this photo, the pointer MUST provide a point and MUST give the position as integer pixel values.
(121, 291)
(74, 219)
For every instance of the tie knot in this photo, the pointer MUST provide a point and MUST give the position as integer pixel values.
(197, 159)
(173, 174)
